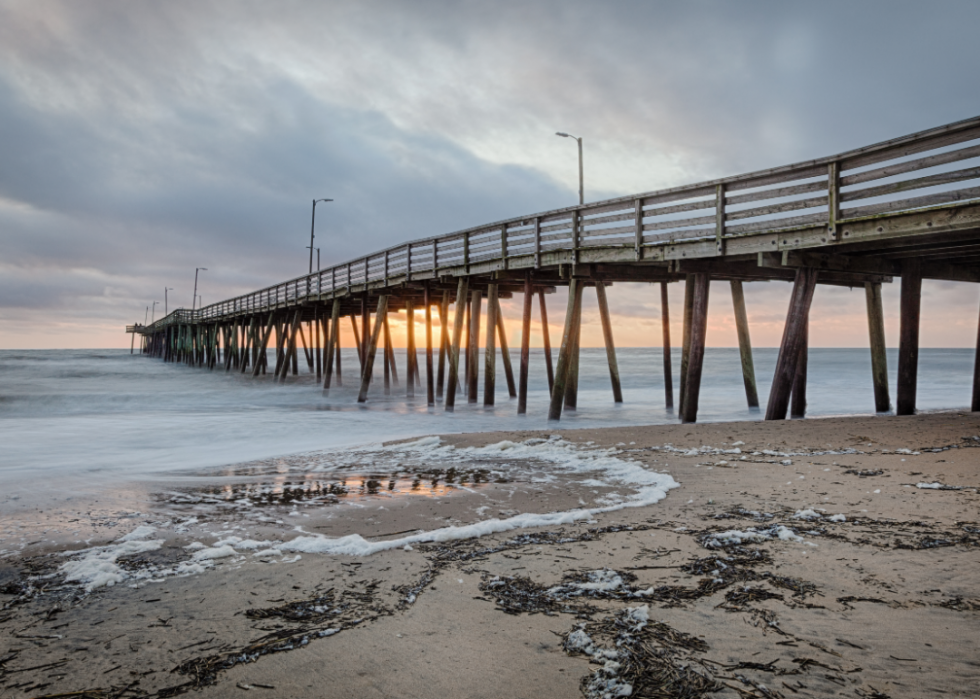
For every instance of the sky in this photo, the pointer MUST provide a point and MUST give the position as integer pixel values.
(140, 140)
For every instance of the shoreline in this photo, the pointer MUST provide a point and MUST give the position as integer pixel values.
(832, 559)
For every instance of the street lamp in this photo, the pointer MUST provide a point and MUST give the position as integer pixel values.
(196, 270)
(154, 315)
(165, 305)
(312, 223)
(146, 315)
(581, 177)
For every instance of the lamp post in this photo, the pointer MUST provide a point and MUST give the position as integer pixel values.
(194, 300)
(166, 309)
(154, 315)
(146, 315)
(312, 224)
(317, 259)
(581, 176)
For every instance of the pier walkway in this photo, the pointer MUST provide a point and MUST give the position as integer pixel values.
(907, 208)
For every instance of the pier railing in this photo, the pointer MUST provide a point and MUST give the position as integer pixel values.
(935, 168)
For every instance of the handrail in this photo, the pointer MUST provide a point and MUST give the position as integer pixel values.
(813, 192)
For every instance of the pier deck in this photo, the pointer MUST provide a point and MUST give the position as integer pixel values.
(907, 209)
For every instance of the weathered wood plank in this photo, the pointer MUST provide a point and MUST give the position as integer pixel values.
(912, 166)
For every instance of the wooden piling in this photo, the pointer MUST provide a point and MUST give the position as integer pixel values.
(744, 344)
(564, 352)
(797, 317)
(333, 344)
(698, 330)
(546, 340)
(410, 350)
(372, 349)
(797, 406)
(686, 335)
(505, 353)
(975, 404)
(430, 385)
(607, 335)
(318, 345)
(473, 376)
(908, 344)
(365, 328)
(291, 350)
(443, 343)
(571, 383)
(263, 345)
(462, 291)
(490, 351)
(387, 351)
(525, 345)
(307, 347)
(665, 327)
(357, 339)
(879, 357)
(391, 354)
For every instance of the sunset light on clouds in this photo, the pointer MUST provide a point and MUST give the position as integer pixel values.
(142, 140)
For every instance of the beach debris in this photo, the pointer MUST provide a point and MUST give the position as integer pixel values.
(640, 658)
(864, 472)
(738, 599)
(327, 614)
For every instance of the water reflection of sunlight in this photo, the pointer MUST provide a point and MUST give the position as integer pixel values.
(286, 489)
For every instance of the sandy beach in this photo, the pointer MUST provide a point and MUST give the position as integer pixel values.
(821, 557)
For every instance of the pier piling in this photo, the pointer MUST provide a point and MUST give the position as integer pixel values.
(908, 343)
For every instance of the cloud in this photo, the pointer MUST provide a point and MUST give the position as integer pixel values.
(146, 139)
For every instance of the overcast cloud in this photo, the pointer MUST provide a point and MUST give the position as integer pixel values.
(139, 140)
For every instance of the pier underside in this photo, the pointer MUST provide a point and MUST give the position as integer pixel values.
(900, 230)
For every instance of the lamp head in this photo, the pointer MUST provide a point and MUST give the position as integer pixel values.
(562, 134)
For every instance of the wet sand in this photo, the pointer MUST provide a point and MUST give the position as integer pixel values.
(744, 581)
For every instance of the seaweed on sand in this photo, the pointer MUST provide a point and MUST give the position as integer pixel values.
(640, 658)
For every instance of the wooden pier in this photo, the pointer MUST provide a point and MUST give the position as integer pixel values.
(908, 208)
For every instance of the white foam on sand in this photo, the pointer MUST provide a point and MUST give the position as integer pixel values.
(737, 537)
(96, 567)
(560, 457)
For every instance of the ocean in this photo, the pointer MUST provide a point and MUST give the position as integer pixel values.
(82, 420)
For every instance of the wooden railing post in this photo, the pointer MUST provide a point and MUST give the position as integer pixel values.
(537, 242)
(639, 228)
(503, 245)
(833, 200)
(576, 222)
(720, 219)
